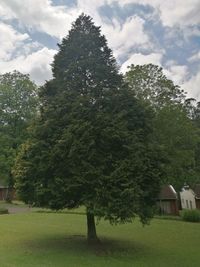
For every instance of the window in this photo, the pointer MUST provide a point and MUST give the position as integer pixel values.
(187, 205)
(190, 204)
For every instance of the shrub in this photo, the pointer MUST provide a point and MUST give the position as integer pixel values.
(190, 215)
(3, 211)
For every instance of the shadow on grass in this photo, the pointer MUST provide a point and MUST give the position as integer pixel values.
(60, 212)
(77, 244)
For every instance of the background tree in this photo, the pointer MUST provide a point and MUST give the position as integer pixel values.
(193, 111)
(151, 85)
(175, 132)
(197, 150)
(178, 138)
(18, 104)
(92, 144)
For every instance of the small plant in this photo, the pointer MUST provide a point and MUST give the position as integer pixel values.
(190, 215)
(3, 211)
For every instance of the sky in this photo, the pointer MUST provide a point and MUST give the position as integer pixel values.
(162, 32)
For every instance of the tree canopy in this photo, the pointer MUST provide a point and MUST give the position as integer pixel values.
(18, 104)
(151, 85)
(92, 144)
(175, 132)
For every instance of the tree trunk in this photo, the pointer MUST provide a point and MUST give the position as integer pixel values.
(91, 228)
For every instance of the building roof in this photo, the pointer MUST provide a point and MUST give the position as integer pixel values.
(196, 190)
(167, 192)
(3, 183)
(3, 186)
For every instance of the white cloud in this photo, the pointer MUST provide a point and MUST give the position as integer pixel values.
(180, 75)
(40, 15)
(195, 57)
(91, 8)
(19, 52)
(140, 59)
(56, 20)
(192, 86)
(4, 12)
(122, 38)
(37, 64)
(176, 12)
(177, 73)
(10, 40)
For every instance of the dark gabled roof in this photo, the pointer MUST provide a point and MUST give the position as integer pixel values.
(167, 192)
(196, 189)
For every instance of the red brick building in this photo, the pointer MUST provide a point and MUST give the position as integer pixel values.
(167, 201)
(3, 192)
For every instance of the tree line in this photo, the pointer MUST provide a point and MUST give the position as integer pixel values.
(96, 138)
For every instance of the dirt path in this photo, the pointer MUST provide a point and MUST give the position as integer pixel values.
(16, 209)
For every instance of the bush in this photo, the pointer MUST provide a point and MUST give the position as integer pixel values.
(3, 211)
(190, 215)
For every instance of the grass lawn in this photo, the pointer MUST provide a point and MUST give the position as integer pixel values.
(56, 239)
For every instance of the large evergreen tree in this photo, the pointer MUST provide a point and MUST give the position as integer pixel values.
(92, 143)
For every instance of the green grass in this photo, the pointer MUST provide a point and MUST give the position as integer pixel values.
(3, 211)
(15, 203)
(58, 240)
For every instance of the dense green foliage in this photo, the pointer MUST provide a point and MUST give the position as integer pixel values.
(193, 110)
(151, 86)
(174, 130)
(92, 144)
(190, 215)
(17, 108)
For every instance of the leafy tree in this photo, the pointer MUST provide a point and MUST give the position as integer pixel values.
(193, 111)
(178, 137)
(17, 107)
(92, 143)
(197, 150)
(174, 130)
(151, 85)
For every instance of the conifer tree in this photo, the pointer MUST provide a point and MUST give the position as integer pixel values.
(92, 143)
